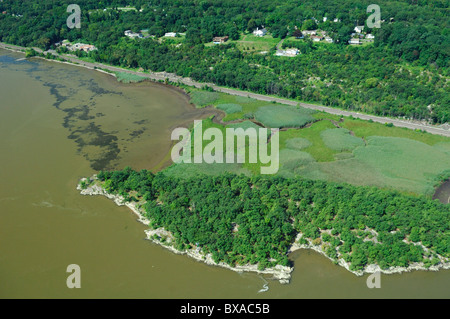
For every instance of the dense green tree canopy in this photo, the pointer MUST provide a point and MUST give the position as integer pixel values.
(241, 219)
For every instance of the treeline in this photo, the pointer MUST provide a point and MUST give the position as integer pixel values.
(418, 29)
(404, 73)
(241, 219)
(354, 78)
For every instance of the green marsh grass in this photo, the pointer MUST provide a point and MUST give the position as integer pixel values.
(230, 108)
(128, 78)
(283, 116)
(339, 139)
(203, 98)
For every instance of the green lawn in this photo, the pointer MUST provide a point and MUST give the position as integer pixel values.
(294, 39)
(173, 40)
(251, 43)
(127, 9)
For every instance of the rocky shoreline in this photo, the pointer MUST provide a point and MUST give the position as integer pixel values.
(280, 273)
(369, 269)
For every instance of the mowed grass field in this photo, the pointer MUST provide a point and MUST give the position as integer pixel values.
(251, 43)
(318, 145)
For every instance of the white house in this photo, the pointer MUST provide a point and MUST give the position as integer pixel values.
(132, 35)
(292, 52)
(370, 36)
(170, 34)
(329, 40)
(354, 41)
(359, 28)
(309, 32)
(287, 52)
(260, 32)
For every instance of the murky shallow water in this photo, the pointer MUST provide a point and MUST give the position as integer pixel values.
(59, 123)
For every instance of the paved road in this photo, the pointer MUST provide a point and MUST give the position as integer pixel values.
(187, 81)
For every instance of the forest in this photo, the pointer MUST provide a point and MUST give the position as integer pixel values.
(240, 220)
(404, 73)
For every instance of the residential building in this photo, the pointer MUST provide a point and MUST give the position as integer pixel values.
(359, 29)
(133, 35)
(292, 52)
(260, 32)
(84, 47)
(218, 40)
(309, 32)
(287, 52)
(78, 46)
(354, 41)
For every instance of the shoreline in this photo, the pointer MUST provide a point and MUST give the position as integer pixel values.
(218, 115)
(285, 273)
(162, 76)
(372, 268)
(146, 76)
(280, 273)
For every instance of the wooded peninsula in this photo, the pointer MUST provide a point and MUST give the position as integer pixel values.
(240, 220)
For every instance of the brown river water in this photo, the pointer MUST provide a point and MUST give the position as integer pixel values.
(59, 123)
